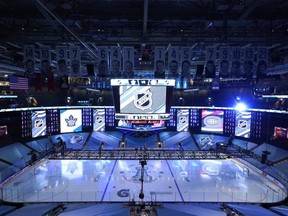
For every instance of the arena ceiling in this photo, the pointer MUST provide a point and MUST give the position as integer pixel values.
(92, 23)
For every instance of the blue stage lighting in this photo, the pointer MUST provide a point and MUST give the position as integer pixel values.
(240, 106)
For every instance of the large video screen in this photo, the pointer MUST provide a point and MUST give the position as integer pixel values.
(212, 121)
(182, 119)
(38, 120)
(70, 120)
(142, 99)
(98, 119)
(280, 133)
(277, 129)
(243, 124)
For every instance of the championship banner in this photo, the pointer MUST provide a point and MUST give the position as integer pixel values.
(236, 58)
(61, 57)
(248, 62)
(224, 56)
(185, 59)
(173, 60)
(29, 60)
(75, 61)
(159, 62)
(45, 59)
(210, 57)
(103, 55)
(128, 62)
(115, 62)
(262, 62)
(46, 72)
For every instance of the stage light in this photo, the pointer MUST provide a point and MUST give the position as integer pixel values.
(240, 106)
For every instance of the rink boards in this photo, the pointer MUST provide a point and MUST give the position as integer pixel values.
(227, 180)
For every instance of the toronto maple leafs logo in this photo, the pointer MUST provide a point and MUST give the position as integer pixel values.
(71, 121)
(143, 100)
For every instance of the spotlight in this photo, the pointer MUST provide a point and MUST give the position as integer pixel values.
(240, 106)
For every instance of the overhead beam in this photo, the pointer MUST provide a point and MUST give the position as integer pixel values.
(145, 18)
(67, 28)
(244, 15)
(148, 154)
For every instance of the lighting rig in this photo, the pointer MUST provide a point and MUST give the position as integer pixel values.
(150, 154)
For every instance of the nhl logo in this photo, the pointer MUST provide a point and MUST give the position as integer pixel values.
(38, 123)
(242, 124)
(182, 119)
(143, 100)
(99, 119)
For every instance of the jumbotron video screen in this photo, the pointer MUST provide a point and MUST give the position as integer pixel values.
(142, 99)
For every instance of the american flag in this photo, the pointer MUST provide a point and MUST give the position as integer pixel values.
(18, 82)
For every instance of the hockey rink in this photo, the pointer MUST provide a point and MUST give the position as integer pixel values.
(164, 181)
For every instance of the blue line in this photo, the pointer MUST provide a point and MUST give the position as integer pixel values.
(175, 181)
(108, 181)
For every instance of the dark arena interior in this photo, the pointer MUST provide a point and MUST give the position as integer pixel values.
(144, 107)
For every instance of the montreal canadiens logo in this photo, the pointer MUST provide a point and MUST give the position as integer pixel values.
(143, 100)
(212, 121)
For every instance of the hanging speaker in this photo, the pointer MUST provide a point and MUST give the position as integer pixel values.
(90, 69)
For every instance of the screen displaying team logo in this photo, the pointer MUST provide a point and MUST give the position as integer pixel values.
(182, 119)
(212, 121)
(99, 119)
(38, 120)
(280, 132)
(3, 131)
(243, 124)
(70, 120)
(142, 99)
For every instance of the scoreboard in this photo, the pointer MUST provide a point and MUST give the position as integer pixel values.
(142, 99)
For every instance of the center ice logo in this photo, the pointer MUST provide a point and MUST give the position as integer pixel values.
(143, 100)
(71, 121)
